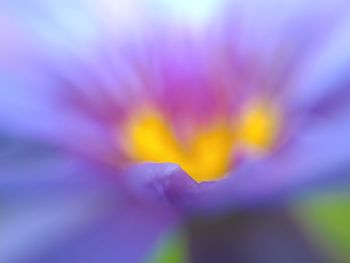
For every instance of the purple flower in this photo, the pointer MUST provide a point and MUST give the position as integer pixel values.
(122, 120)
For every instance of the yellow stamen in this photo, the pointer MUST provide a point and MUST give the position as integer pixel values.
(259, 126)
(151, 138)
(210, 152)
(205, 157)
(207, 154)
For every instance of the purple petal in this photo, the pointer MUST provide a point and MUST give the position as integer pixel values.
(164, 182)
(57, 208)
(326, 70)
(319, 156)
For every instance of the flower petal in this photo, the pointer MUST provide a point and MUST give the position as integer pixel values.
(317, 158)
(164, 182)
(57, 208)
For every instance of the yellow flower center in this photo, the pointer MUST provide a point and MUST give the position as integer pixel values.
(259, 126)
(208, 152)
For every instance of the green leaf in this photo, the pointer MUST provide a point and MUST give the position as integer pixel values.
(327, 216)
(171, 249)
